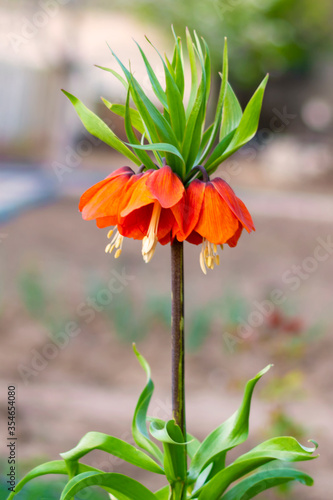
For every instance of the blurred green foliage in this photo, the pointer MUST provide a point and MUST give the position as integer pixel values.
(276, 36)
(48, 490)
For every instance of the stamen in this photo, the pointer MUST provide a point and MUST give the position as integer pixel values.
(116, 243)
(149, 242)
(208, 255)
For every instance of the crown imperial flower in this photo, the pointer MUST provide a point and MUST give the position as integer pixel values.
(174, 198)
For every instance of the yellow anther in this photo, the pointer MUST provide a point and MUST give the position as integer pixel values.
(110, 233)
(117, 254)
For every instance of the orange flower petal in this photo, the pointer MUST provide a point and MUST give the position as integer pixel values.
(239, 209)
(88, 195)
(165, 186)
(138, 196)
(135, 224)
(217, 223)
(232, 242)
(165, 224)
(106, 201)
(187, 210)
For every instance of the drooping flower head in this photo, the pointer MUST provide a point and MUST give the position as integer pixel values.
(155, 207)
(172, 196)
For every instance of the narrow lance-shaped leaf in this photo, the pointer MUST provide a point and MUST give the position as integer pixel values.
(175, 102)
(123, 487)
(119, 109)
(139, 425)
(193, 131)
(232, 113)
(245, 131)
(194, 74)
(54, 467)
(167, 148)
(144, 157)
(98, 128)
(231, 433)
(114, 446)
(178, 64)
(114, 73)
(220, 104)
(148, 111)
(157, 88)
(264, 480)
(283, 448)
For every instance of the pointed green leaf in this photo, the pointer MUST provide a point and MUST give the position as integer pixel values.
(139, 425)
(119, 109)
(178, 64)
(114, 73)
(114, 446)
(54, 467)
(220, 105)
(175, 103)
(194, 73)
(167, 148)
(246, 129)
(123, 487)
(144, 157)
(157, 88)
(286, 449)
(231, 433)
(262, 481)
(98, 128)
(232, 113)
(148, 111)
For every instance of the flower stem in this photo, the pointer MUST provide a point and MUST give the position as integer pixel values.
(178, 358)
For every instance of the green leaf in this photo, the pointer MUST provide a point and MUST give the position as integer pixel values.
(220, 104)
(170, 434)
(178, 64)
(151, 116)
(255, 484)
(123, 487)
(54, 467)
(114, 446)
(232, 113)
(193, 444)
(281, 448)
(144, 157)
(157, 88)
(231, 433)
(139, 426)
(175, 102)
(163, 493)
(119, 77)
(246, 129)
(194, 73)
(98, 128)
(159, 147)
(119, 109)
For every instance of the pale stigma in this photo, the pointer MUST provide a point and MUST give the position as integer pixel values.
(149, 242)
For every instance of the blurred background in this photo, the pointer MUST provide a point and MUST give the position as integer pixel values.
(65, 337)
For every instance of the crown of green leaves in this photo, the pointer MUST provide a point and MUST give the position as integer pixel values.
(177, 130)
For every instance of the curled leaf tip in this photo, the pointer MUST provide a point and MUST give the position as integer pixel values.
(313, 442)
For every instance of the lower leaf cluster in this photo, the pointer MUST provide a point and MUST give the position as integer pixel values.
(207, 478)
